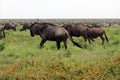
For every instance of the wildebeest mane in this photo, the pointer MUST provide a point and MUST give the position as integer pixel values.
(49, 24)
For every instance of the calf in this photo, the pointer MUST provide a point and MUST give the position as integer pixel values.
(97, 32)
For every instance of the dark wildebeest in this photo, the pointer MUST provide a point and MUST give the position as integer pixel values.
(77, 30)
(26, 26)
(12, 26)
(97, 32)
(52, 33)
(85, 31)
(2, 33)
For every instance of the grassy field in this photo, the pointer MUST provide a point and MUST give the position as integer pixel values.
(22, 59)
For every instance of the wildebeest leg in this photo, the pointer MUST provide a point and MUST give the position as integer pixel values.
(58, 45)
(24, 29)
(65, 44)
(102, 38)
(92, 39)
(42, 42)
(14, 29)
(89, 40)
(85, 39)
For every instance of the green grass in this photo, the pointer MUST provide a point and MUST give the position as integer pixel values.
(19, 48)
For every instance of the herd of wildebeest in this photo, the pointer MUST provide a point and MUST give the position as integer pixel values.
(59, 33)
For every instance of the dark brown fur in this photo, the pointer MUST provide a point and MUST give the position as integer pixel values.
(9, 26)
(77, 30)
(26, 26)
(97, 32)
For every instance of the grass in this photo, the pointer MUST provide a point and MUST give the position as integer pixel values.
(22, 59)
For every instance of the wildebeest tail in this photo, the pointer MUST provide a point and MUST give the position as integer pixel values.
(106, 37)
(75, 43)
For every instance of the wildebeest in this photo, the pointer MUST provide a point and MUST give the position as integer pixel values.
(26, 26)
(87, 32)
(2, 33)
(52, 33)
(77, 30)
(12, 26)
(97, 32)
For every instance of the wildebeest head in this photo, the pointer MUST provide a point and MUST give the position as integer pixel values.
(37, 28)
(68, 26)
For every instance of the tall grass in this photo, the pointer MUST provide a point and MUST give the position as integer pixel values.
(21, 58)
